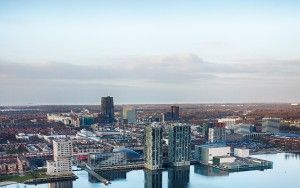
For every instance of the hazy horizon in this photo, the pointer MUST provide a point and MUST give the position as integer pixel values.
(71, 52)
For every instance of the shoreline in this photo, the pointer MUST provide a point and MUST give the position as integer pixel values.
(51, 179)
(273, 152)
(5, 183)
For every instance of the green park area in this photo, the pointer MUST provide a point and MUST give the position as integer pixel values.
(23, 177)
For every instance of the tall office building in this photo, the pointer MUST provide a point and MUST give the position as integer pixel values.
(216, 135)
(107, 109)
(129, 114)
(215, 132)
(62, 153)
(153, 147)
(175, 113)
(179, 149)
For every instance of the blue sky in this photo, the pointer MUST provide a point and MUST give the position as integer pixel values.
(201, 51)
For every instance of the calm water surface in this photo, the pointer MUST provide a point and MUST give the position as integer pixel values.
(285, 174)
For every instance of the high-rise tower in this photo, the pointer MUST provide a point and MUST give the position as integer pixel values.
(107, 109)
(175, 113)
(153, 147)
(179, 144)
(62, 154)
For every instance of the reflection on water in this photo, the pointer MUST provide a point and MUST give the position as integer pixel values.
(209, 171)
(178, 177)
(109, 175)
(292, 156)
(153, 179)
(285, 165)
(92, 179)
(61, 184)
(114, 175)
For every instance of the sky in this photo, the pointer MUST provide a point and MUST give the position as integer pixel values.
(74, 52)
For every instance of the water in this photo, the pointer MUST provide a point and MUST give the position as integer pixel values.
(285, 173)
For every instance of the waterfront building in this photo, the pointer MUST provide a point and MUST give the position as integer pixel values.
(179, 149)
(62, 149)
(11, 164)
(59, 167)
(270, 125)
(131, 155)
(218, 160)
(153, 147)
(241, 152)
(205, 153)
(62, 154)
(98, 160)
(107, 109)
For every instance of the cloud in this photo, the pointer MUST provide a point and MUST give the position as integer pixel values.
(162, 69)
(185, 67)
(182, 77)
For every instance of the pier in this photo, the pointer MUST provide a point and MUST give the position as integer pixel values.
(51, 179)
(243, 164)
(122, 167)
(98, 177)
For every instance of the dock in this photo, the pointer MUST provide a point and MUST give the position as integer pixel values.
(243, 164)
(122, 167)
(97, 176)
(51, 179)
(246, 164)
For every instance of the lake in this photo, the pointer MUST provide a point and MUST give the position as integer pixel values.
(285, 173)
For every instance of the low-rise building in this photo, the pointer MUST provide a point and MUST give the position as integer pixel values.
(217, 160)
(241, 152)
(98, 160)
(229, 122)
(243, 128)
(13, 164)
(205, 153)
(60, 167)
(270, 125)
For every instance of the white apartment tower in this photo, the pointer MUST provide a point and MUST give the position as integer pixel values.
(62, 152)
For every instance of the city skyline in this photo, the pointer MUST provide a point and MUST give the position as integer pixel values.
(54, 52)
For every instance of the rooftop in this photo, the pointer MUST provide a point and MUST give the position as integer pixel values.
(213, 145)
